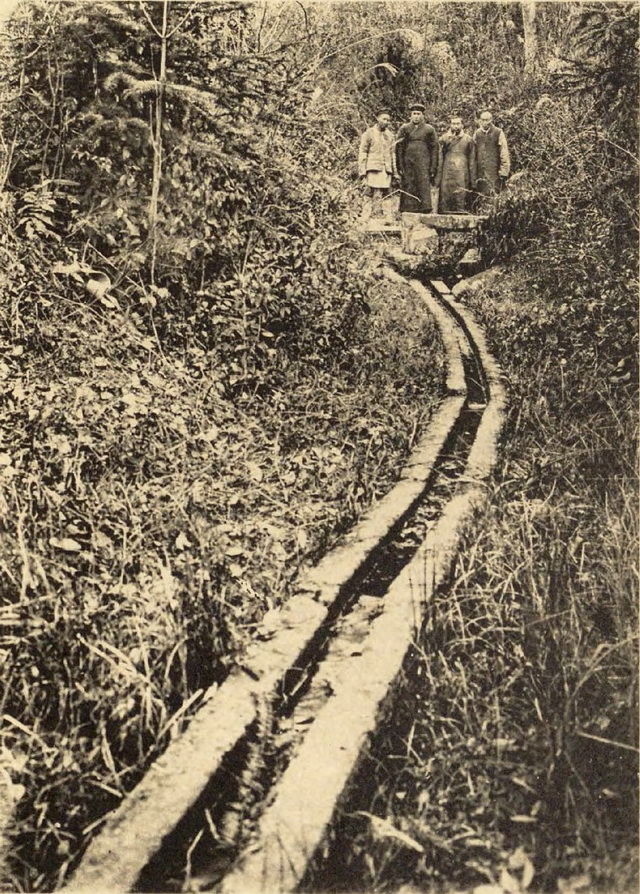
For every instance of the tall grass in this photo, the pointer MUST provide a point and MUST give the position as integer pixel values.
(514, 746)
(149, 519)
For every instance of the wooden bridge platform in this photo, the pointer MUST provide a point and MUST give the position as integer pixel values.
(447, 222)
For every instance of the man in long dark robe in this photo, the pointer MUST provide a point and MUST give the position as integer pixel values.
(492, 158)
(457, 172)
(417, 161)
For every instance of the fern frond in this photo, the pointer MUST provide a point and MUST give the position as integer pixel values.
(139, 88)
(199, 99)
(117, 79)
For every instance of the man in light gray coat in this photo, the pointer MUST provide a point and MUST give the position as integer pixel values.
(377, 162)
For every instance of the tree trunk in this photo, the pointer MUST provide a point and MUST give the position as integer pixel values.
(157, 140)
(530, 35)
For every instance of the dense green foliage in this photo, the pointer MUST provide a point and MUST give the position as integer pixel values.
(197, 399)
(512, 756)
(204, 385)
(575, 209)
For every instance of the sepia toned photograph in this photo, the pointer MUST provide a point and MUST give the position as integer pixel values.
(318, 446)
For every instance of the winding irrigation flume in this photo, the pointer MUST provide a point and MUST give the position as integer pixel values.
(245, 798)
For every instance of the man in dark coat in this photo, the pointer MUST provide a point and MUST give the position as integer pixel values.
(492, 157)
(417, 161)
(457, 172)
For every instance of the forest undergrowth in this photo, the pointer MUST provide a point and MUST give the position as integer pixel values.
(150, 520)
(204, 385)
(510, 762)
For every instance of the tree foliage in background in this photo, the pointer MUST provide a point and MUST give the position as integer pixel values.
(598, 76)
(453, 56)
(604, 53)
(85, 94)
(237, 211)
(238, 330)
(574, 207)
(195, 401)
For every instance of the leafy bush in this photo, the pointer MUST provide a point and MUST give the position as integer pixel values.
(181, 442)
(511, 758)
(519, 218)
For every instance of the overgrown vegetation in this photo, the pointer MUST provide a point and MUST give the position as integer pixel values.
(511, 759)
(203, 385)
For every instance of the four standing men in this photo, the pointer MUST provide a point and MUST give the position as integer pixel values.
(468, 170)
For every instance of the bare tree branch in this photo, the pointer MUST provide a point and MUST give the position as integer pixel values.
(149, 19)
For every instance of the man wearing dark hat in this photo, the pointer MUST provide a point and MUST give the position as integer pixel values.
(376, 162)
(417, 161)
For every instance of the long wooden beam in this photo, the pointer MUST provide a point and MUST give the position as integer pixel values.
(442, 221)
